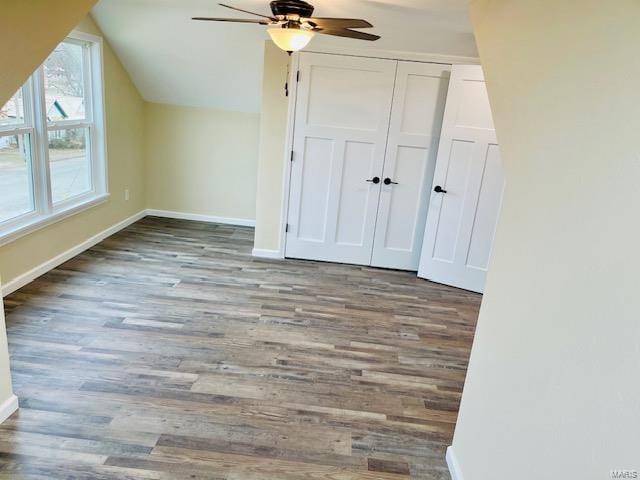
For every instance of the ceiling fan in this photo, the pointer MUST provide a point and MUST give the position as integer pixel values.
(293, 27)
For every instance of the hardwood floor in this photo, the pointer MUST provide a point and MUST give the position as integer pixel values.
(168, 352)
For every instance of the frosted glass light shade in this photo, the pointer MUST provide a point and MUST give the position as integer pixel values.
(290, 39)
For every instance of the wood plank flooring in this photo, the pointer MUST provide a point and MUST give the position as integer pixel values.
(168, 352)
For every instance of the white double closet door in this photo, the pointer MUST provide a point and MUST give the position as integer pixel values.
(364, 153)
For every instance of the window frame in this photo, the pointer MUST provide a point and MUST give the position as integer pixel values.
(26, 128)
(36, 124)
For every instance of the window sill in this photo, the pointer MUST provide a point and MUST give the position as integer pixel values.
(46, 220)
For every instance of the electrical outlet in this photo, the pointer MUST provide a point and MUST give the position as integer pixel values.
(126, 194)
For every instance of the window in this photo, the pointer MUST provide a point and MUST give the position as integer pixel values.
(52, 152)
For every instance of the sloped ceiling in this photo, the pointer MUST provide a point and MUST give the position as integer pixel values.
(45, 24)
(175, 60)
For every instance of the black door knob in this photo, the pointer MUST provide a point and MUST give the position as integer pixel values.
(387, 181)
(374, 180)
(438, 189)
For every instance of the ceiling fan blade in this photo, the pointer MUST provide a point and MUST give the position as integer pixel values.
(247, 11)
(345, 32)
(339, 23)
(235, 20)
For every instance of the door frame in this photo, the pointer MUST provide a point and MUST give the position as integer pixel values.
(294, 65)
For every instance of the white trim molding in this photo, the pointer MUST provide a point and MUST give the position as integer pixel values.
(397, 55)
(294, 65)
(262, 253)
(39, 224)
(454, 466)
(43, 268)
(241, 222)
(7, 407)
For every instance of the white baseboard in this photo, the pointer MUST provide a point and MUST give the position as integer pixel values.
(43, 268)
(241, 222)
(454, 466)
(7, 407)
(262, 253)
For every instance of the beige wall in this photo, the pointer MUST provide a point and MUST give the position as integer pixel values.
(273, 125)
(125, 150)
(201, 161)
(6, 389)
(552, 388)
(44, 23)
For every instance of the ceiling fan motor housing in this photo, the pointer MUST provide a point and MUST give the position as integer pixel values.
(291, 7)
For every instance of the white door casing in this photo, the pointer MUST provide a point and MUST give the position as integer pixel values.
(341, 123)
(414, 132)
(461, 223)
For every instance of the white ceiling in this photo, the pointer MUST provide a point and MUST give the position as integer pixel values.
(175, 60)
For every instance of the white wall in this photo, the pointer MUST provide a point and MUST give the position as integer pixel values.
(223, 63)
(552, 390)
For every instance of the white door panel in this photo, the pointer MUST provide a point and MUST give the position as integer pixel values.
(461, 221)
(342, 118)
(354, 93)
(316, 178)
(450, 207)
(414, 132)
(487, 210)
(354, 194)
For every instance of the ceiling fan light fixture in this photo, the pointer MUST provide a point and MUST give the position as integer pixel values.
(290, 39)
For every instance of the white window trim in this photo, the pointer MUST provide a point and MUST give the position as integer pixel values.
(45, 213)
